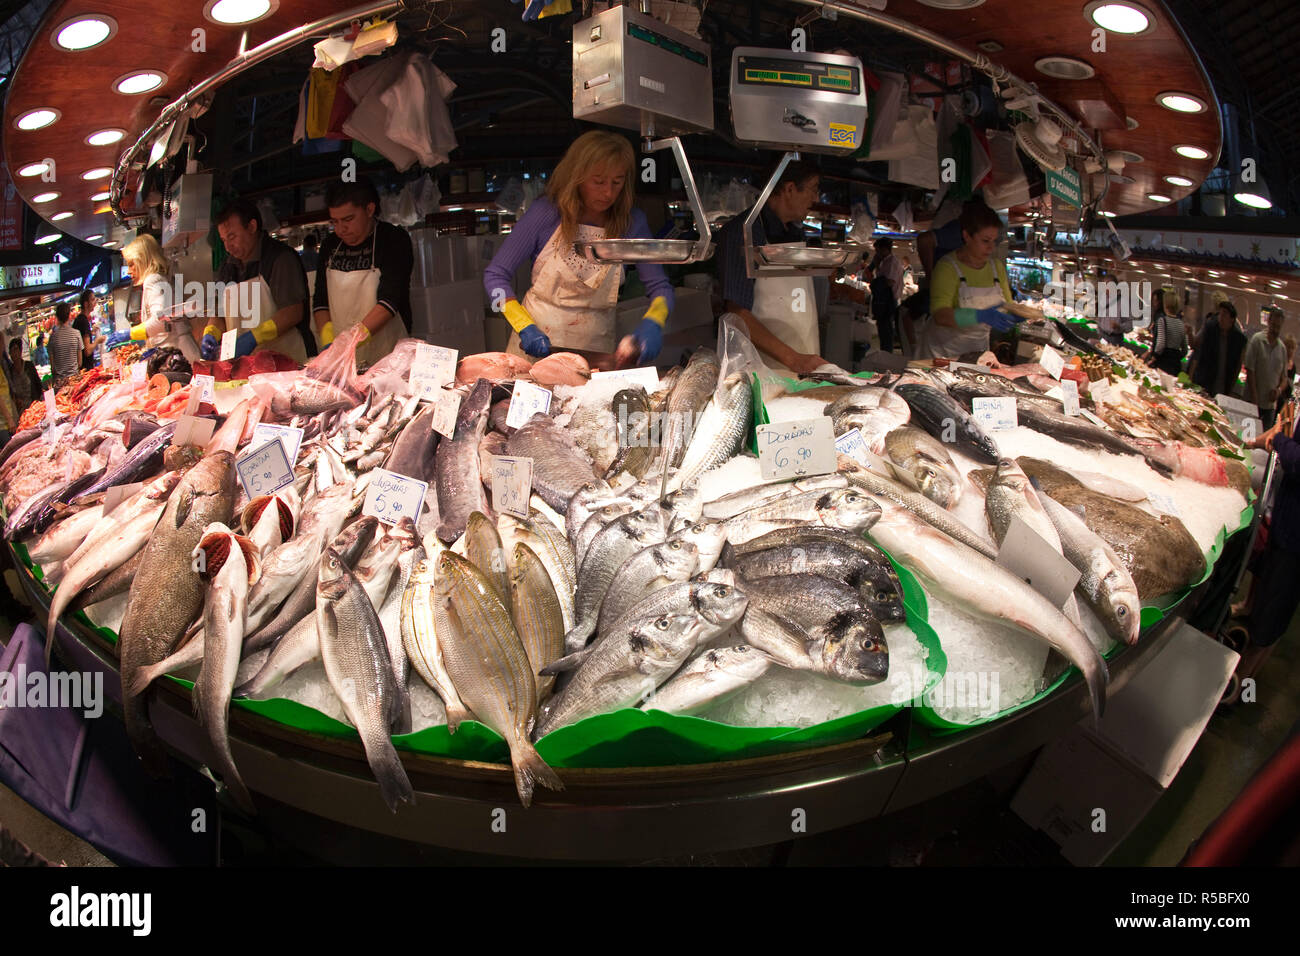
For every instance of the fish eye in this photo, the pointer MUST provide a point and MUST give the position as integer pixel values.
(883, 596)
(1121, 611)
(662, 623)
(868, 644)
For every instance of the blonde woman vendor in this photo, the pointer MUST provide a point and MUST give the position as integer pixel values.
(968, 288)
(571, 303)
(150, 270)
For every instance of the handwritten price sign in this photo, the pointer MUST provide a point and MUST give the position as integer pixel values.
(527, 401)
(445, 412)
(229, 341)
(264, 470)
(512, 484)
(288, 435)
(995, 414)
(433, 368)
(392, 497)
(796, 449)
(1070, 396)
(647, 378)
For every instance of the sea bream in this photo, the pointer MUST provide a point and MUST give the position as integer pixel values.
(710, 677)
(459, 479)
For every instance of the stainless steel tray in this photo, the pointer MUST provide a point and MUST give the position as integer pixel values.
(825, 257)
(639, 250)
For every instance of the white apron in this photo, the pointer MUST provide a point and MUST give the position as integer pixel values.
(155, 298)
(351, 296)
(256, 290)
(572, 300)
(945, 342)
(776, 303)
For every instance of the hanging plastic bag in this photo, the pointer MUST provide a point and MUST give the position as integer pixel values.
(429, 199)
(903, 216)
(512, 198)
(328, 382)
(406, 214)
(270, 221)
(389, 206)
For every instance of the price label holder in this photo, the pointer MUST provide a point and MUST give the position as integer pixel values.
(111, 361)
(289, 436)
(392, 497)
(206, 388)
(228, 340)
(1100, 391)
(445, 410)
(1026, 555)
(51, 407)
(1070, 396)
(1093, 418)
(528, 400)
(512, 484)
(434, 367)
(796, 449)
(139, 372)
(647, 377)
(116, 494)
(193, 431)
(995, 414)
(1164, 504)
(1052, 361)
(264, 470)
(852, 444)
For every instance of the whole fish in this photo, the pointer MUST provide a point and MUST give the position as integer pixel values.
(268, 520)
(311, 396)
(390, 610)
(228, 563)
(658, 566)
(693, 388)
(151, 627)
(808, 622)
(631, 408)
(720, 435)
(21, 438)
(459, 479)
(483, 548)
(709, 677)
(923, 464)
(375, 570)
(709, 538)
(117, 581)
(730, 505)
(947, 421)
(63, 538)
(550, 546)
(413, 450)
(22, 518)
(609, 549)
(598, 522)
(1104, 582)
(424, 625)
(843, 508)
(536, 612)
(490, 669)
(587, 500)
(142, 460)
(356, 661)
(560, 467)
(987, 590)
(53, 507)
(1074, 431)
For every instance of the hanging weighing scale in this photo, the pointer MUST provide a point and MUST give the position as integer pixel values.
(800, 103)
(633, 72)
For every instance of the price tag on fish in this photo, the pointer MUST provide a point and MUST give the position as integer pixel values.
(995, 414)
(205, 387)
(139, 372)
(1100, 391)
(852, 444)
(51, 407)
(434, 367)
(288, 435)
(796, 449)
(264, 470)
(1026, 555)
(527, 401)
(647, 378)
(1164, 504)
(193, 431)
(1093, 418)
(116, 494)
(392, 497)
(1052, 361)
(512, 484)
(1070, 396)
(445, 410)
(228, 342)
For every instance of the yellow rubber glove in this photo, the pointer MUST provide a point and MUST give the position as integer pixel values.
(326, 334)
(516, 315)
(138, 333)
(266, 332)
(658, 310)
(554, 9)
(211, 330)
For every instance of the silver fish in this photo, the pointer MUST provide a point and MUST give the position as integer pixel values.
(1105, 583)
(844, 508)
(424, 625)
(458, 476)
(921, 462)
(730, 505)
(610, 548)
(660, 565)
(711, 676)
(720, 435)
(560, 467)
(536, 612)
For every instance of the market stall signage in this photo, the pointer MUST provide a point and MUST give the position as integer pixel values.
(51, 408)
(433, 368)
(1099, 391)
(647, 378)
(1026, 555)
(1066, 185)
(796, 449)
(528, 399)
(392, 497)
(203, 388)
(28, 277)
(995, 414)
(265, 470)
(512, 484)
(193, 431)
(229, 341)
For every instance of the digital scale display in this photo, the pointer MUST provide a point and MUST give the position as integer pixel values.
(638, 32)
(773, 71)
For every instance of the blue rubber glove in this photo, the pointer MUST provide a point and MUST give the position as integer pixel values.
(535, 342)
(245, 344)
(118, 338)
(995, 319)
(650, 335)
(209, 347)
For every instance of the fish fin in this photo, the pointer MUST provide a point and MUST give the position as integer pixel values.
(530, 769)
(394, 784)
(576, 638)
(183, 505)
(456, 712)
(567, 663)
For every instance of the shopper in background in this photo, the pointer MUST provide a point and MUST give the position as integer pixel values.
(780, 314)
(149, 269)
(1219, 352)
(572, 302)
(24, 383)
(1288, 376)
(278, 325)
(81, 322)
(1266, 363)
(1169, 347)
(39, 354)
(310, 257)
(969, 287)
(886, 291)
(364, 273)
(65, 347)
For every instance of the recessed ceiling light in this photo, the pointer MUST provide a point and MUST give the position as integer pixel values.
(1108, 214)
(231, 12)
(1192, 152)
(1215, 274)
(1129, 156)
(1181, 102)
(99, 172)
(60, 216)
(1156, 197)
(1253, 200)
(111, 244)
(45, 197)
(47, 239)
(1127, 18)
(951, 4)
(1276, 283)
(142, 81)
(1122, 179)
(1178, 181)
(1064, 68)
(100, 197)
(84, 33)
(95, 238)
(105, 137)
(37, 119)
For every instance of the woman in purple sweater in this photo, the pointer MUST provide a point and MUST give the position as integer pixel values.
(572, 301)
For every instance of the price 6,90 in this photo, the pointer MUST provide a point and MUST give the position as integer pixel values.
(784, 456)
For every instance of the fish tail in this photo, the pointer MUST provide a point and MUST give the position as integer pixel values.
(219, 737)
(1098, 679)
(530, 769)
(144, 739)
(456, 712)
(394, 785)
(576, 639)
